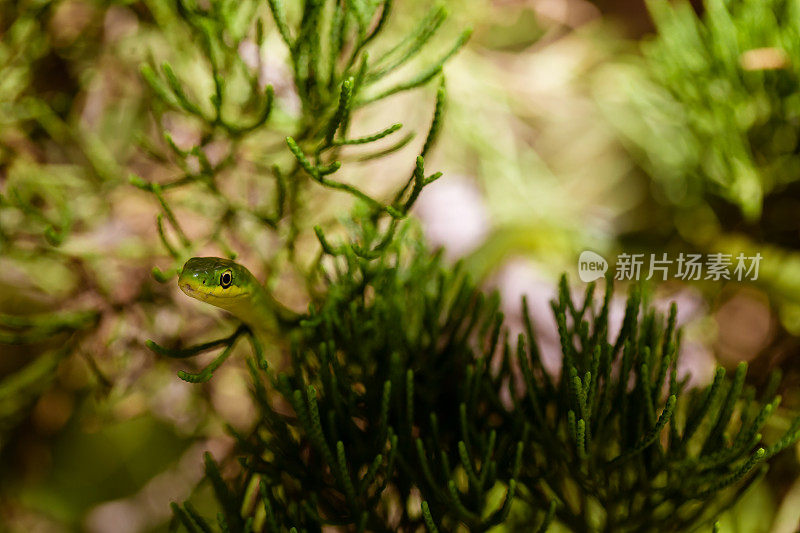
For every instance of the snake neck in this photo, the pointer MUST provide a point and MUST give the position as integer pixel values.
(262, 313)
(255, 311)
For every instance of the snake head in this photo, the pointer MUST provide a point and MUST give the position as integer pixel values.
(220, 282)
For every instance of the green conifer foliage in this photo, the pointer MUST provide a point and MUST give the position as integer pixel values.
(334, 72)
(409, 405)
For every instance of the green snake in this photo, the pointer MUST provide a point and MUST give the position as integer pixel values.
(230, 286)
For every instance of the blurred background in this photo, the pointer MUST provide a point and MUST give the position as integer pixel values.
(612, 126)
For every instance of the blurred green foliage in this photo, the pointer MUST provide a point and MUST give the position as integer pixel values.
(727, 99)
(709, 111)
(97, 466)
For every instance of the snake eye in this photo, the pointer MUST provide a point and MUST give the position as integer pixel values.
(226, 279)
